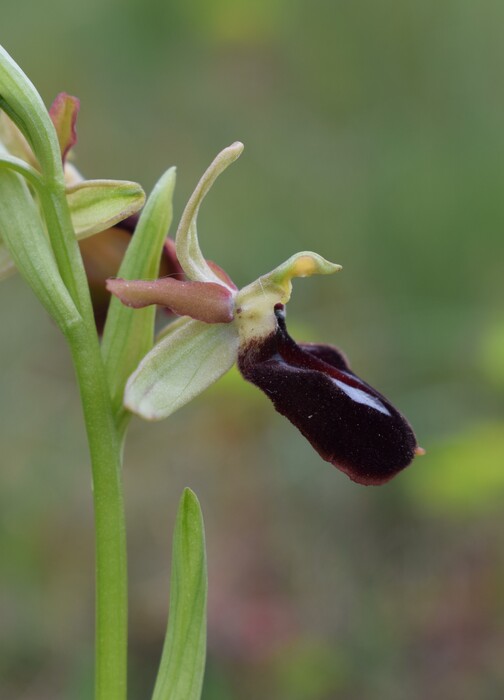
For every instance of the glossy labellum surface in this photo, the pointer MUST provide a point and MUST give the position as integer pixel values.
(347, 422)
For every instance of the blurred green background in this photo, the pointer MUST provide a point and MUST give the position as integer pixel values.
(374, 135)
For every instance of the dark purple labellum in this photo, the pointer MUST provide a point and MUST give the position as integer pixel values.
(347, 422)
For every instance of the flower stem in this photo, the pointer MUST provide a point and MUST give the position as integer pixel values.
(105, 446)
(22, 103)
(110, 529)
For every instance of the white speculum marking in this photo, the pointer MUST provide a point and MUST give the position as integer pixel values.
(362, 397)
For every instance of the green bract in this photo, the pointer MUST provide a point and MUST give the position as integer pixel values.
(129, 334)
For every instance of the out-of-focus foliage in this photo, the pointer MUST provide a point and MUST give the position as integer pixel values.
(373, 134)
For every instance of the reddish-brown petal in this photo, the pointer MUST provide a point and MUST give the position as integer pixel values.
(203, 301)
(347, 422)
(102, 255)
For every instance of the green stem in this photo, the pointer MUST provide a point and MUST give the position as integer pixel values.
(110, 529)
(24, 105)
(66, 250)
(105, 446)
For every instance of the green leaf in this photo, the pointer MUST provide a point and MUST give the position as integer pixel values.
(180, 367)
(180, 675)
(96, 205)
(129, 333)
(22, 231)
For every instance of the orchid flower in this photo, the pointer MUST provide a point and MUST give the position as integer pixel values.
(348, 422)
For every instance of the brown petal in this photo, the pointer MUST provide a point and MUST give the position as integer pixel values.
(102, 255)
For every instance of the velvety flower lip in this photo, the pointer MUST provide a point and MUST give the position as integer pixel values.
(349, 423)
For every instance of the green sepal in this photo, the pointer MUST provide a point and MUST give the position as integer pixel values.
(129, 333)
(22, 232)
(182, 667)
(180, 367)
(96, 205)
(176, 324)
(189, 253)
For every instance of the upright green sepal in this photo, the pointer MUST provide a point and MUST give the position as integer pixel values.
(181, 671)
(129, 333)
(188, 249)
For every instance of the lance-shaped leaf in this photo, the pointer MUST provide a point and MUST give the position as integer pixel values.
(180, 367)
(129, 333)
(96, 205)
(182, 666)
(188, 250)
(23, 234)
